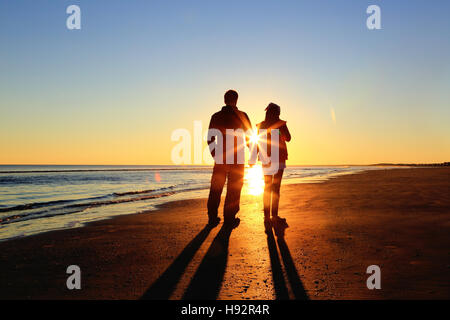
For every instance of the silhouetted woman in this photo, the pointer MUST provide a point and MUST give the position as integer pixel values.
(272, 180)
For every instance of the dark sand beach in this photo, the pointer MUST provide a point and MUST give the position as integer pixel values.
(397, 219)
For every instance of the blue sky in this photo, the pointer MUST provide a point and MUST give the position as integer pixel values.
(137, 70)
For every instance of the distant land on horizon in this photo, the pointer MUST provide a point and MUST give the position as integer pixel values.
(440, 164)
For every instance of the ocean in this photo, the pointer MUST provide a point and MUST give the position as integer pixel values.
(42, 198)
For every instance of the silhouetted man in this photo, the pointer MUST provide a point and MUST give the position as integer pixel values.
(228, 161)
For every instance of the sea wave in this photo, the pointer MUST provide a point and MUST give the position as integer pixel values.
(120, 194)
(205, 168)
(74, 207)
(61, 207)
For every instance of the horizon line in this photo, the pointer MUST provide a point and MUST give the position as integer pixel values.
(209, 165)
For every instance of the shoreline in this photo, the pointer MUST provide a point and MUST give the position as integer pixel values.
(404, 230)
(84, 217)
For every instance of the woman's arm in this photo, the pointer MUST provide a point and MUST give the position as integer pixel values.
(285, 133)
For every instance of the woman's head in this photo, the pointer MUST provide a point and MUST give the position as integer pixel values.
(272, 112)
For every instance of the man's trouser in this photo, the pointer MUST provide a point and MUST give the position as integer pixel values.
(235, 175)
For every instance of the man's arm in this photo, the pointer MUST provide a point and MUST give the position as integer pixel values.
(247, 123)
(211, 138)
(247, 127)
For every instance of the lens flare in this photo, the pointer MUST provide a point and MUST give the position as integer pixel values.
(254, 138)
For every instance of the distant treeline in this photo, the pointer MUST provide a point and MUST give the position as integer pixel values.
(443, 164)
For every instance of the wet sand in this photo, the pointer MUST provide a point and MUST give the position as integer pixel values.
(397, 219)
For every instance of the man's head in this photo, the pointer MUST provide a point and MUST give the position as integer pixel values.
(231, 98)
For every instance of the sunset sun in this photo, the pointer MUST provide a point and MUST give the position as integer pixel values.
(254, 138)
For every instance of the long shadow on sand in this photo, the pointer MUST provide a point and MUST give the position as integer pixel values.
(164, 286)
(281, 291)
(296, 284)
(208, 278)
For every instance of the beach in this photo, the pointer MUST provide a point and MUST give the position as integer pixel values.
(398, 219)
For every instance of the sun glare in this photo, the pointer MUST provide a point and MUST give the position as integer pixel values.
(254, 180)
(254, 137)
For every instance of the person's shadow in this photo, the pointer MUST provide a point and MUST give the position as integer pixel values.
(281, 290)
(207, 281)
(164, 286)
